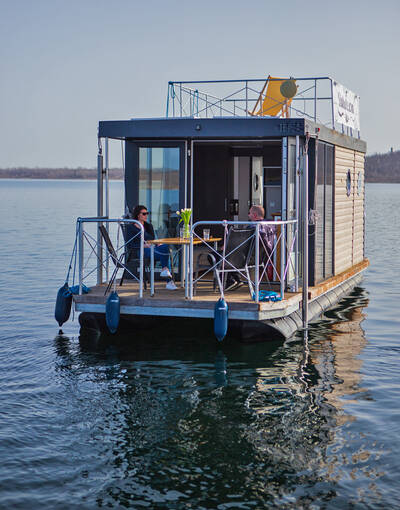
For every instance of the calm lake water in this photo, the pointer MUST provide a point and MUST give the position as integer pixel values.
(180, 422)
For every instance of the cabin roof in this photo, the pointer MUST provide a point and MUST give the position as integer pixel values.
(223, 128)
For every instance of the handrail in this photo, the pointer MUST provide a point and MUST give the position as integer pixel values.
(314, 99)
(282, 239)
(101, 220)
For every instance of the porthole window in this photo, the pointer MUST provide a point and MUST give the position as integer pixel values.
(359, 183)
(348, 183)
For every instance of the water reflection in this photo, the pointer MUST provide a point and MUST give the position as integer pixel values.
(185, 423)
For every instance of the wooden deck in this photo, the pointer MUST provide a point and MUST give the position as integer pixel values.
(334, 281)
(173, 303)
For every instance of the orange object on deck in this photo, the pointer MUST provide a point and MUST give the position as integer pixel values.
(271, 101)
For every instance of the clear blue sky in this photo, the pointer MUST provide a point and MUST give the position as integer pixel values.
(66, 64)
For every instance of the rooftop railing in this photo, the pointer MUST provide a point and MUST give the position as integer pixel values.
(237, 98)
(314, 100)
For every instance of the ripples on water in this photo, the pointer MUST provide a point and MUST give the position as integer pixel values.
(172, 420)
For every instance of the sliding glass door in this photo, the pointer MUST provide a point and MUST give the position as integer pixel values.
(155, 178)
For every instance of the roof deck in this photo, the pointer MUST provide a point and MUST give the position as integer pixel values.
(250, 109)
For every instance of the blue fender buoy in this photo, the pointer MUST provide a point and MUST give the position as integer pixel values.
(63, 304)
(220, 319)
(112, 312)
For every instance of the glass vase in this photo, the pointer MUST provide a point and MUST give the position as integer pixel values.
(186, 231)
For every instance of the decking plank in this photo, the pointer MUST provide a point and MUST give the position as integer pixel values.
(205, 298)
(321, 288)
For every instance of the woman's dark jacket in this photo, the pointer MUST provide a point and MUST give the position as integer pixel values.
(131, 229)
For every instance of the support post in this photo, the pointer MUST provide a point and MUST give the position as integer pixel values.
(305, 235)
(333, 107)
(99, 214)
(106, 172)
(247, 98)
(107, 194)
(152, 270)
(297, 228)
(191, 265)
(315, 100)
(141, 269)
(80, 258)
(191, 179)
(283, 253)
(257, 268)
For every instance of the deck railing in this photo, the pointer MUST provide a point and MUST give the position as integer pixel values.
(282, 255)
(238, 98)
(94, 255)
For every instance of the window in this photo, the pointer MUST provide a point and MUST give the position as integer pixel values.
(348, 183)
(159, 187)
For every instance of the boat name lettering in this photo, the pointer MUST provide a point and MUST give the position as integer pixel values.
(286, 127)
(344, 103)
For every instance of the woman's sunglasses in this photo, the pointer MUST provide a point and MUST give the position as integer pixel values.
(145, 213)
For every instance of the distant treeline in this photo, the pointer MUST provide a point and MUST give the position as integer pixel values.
(57, 173)
(378, 168)
(383, 167)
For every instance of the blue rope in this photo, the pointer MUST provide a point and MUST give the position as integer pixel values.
(72, 256)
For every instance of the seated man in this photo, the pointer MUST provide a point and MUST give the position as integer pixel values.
(267, 236)
(267, 232)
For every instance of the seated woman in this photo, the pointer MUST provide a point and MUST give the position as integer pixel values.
(161, 251)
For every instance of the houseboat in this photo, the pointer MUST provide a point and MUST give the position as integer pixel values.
(290, 146)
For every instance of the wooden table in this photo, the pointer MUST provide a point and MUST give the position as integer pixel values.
(177, 241)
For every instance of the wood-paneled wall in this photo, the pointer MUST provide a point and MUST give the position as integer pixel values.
(349, 210)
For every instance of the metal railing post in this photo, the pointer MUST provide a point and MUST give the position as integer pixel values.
(257, 268)
(189, 284)
(247, 98)
(191, 265)
(173, 100)
(80, 257)
(141, 263)
(333, 107)
(283, 252)
(305, 236)
(315, 100)
(99, 214)
(167, 109)
(296, 226)
(107, 199)
(152, 270)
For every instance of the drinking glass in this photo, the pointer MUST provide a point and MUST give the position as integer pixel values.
(206, 234)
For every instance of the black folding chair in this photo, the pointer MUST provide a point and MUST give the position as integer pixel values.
(132, 259)
(238, 250)
(118, 261)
